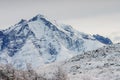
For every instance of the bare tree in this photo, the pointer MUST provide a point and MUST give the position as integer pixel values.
(60, 74)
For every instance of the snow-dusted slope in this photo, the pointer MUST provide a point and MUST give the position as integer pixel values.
(39, 41)
(100, 64)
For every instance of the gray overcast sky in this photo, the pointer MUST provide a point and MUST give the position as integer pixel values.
(89, 16)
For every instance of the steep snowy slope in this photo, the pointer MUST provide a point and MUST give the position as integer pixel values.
(38, 41)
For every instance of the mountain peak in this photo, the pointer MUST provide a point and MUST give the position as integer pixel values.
(37, 17)
(40, 16)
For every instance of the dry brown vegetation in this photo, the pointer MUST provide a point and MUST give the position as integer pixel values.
(7, 72)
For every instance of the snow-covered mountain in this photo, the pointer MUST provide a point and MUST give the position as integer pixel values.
(39, 41)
